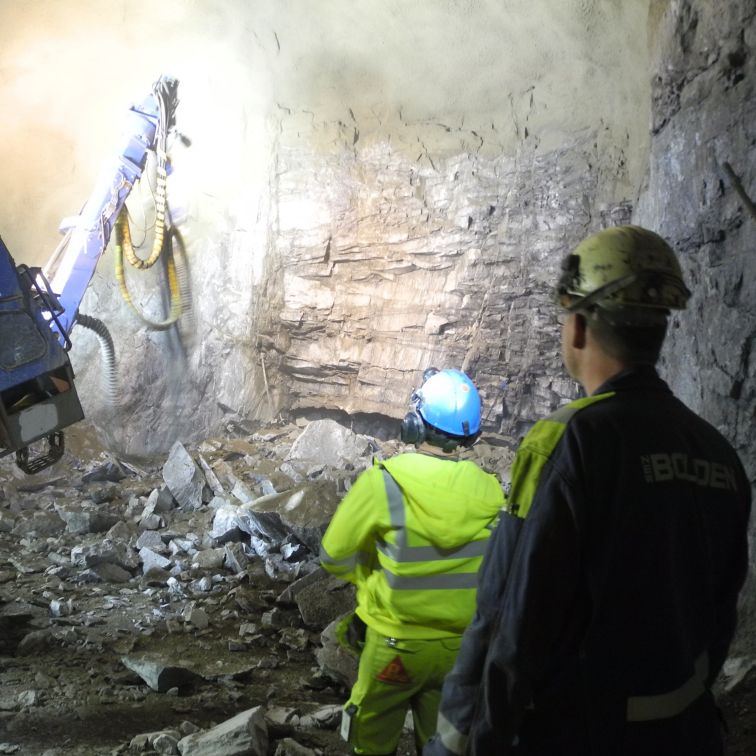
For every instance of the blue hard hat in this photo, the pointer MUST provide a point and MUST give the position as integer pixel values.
(449, 401)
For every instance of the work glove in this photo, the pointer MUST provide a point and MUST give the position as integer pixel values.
(350, 633)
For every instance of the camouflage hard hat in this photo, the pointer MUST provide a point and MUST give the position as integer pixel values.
(629, 273)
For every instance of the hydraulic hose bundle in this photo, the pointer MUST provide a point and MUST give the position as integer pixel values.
(167, 239)
(123, 247)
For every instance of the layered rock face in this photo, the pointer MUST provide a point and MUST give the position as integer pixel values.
(376, 267)
(403, 265)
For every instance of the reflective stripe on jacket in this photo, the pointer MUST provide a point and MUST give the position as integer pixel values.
(411, 534)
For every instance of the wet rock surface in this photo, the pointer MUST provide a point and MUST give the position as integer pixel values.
(135, 622)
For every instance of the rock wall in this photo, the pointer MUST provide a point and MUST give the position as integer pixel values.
(376, 267)
(704, 120)
(402, 264)
(370, 190)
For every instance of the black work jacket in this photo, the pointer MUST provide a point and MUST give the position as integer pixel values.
(609, 586)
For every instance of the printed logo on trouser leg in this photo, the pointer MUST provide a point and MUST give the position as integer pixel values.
(394, 672)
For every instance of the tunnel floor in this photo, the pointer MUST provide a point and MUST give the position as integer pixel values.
(68, 642)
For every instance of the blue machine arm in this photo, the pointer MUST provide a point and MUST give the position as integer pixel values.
(37, 393)
(93, 227)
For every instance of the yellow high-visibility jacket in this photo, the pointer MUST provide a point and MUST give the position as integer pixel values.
(411, 534)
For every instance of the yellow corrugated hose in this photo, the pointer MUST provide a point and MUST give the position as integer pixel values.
(161, 242)
(157, 244)
(123, 242)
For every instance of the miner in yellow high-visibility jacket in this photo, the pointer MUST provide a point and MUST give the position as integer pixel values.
(411, 534)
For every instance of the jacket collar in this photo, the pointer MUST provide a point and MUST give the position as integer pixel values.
(634, 378)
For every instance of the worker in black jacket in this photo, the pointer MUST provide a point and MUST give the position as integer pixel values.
(608, 594)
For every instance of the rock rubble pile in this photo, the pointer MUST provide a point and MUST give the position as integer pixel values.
(182, 593)
(177, 606)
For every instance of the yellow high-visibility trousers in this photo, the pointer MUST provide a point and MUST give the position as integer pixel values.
(394, 676)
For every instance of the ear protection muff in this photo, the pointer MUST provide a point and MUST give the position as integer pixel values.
(413, 429)
(429, 373)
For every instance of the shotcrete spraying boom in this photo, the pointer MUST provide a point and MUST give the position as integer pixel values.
(38, 398)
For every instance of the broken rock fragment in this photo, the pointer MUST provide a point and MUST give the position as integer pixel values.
(110, 573)
(335, 661)
(112, 471)
(151, 559)
(290, 747)
(323, 600)
(184, 478)
(163, 741)
(160, 676)
(81, 520)
(212, 479)
(235, 559)
(226, 524)
(329, 443)
(151, 540)
(209, 559)
(242, 735)
(196, 616)
(106, 551)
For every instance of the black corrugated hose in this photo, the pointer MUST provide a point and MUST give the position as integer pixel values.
(107, 349)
